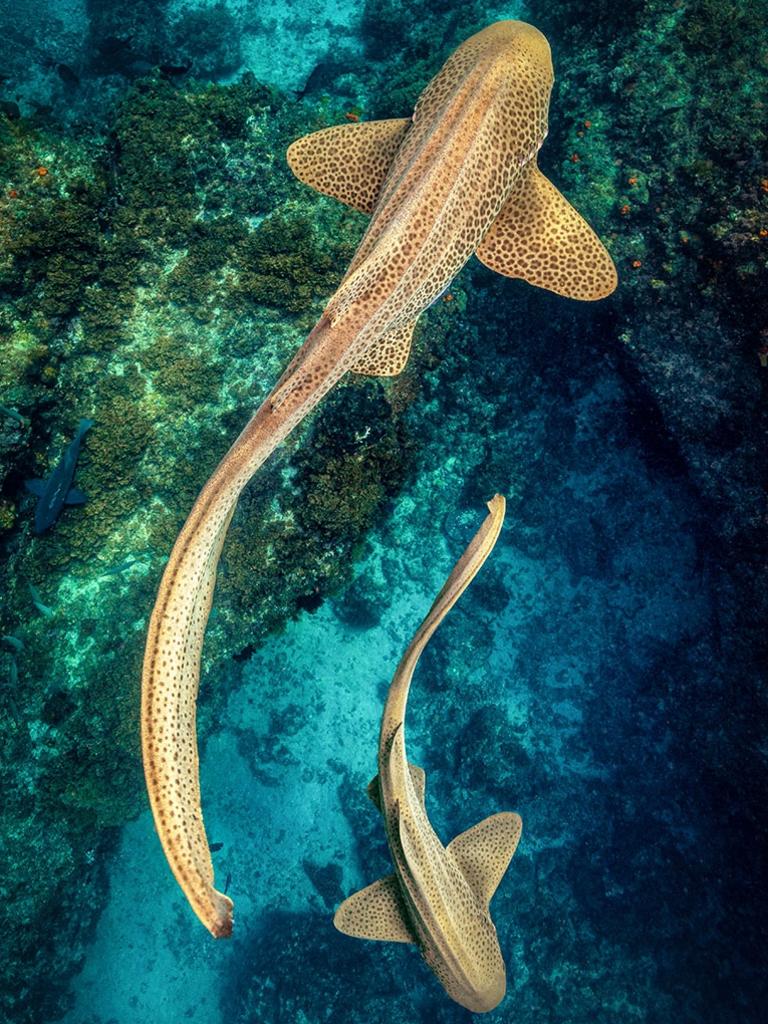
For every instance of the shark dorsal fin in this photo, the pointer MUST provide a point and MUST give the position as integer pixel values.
(539, 237)
(484, 851)
(349, 161)
(418, 777)
(376, 912)
(389, 355)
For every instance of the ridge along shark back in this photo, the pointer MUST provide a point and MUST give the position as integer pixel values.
(458, 177)
(438, 897)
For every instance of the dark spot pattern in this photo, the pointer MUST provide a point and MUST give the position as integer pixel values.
(376, 912)
(475, 127)
(539, 237)
(483, 852)
(349, 161)
(389, 355)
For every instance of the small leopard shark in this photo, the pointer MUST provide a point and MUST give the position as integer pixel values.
(439, 896)
(57, 491)
(457, 178)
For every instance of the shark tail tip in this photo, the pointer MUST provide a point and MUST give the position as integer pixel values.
(220, 924)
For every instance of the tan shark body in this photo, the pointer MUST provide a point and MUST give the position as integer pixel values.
(438, 896)
(458, 177)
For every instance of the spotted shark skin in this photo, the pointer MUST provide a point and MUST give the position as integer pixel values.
(457, 178)
(438, 896)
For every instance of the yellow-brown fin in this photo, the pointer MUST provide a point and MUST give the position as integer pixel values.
(349, 161)
(376, 912)
(389, 355)
(541, 238)
(484, 851)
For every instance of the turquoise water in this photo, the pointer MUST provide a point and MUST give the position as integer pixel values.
(602, 677)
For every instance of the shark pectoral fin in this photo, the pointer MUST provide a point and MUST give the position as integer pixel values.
(35, 487)
(349, 161)
(418, 777)
(389, 355)
(75, 497)
(376, 912)
(483, 852)
(540, 237)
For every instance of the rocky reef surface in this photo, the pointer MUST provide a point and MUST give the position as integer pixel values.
(158, 266)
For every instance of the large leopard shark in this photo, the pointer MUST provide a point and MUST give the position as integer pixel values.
(439, 896)
(457, 177)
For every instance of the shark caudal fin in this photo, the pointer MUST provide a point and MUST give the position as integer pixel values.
(484, 851)
(541, 238)
(376, 912)
(349, 161)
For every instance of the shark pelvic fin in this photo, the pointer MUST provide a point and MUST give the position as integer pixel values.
(349, 161)
(418, 777)
(484, 851)
(541, 238)
(376, 912)
(389, 355)
(36, 487)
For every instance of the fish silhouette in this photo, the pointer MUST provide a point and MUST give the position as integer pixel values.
(57, 491)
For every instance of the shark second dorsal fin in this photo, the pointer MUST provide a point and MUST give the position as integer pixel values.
(349, 161)
(484, 851)
(418, 777)
(389, 355)
(541, 238)
(376, 912)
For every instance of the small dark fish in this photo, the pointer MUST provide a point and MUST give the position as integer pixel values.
(10, 109)
(321, 77)
(37, 601)
(56, 492)
(110, 46)
(215, 847)
(226, 884)
(174, 70)
(115, 570)
(138, 68)
(13, 642)
(67, 75)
